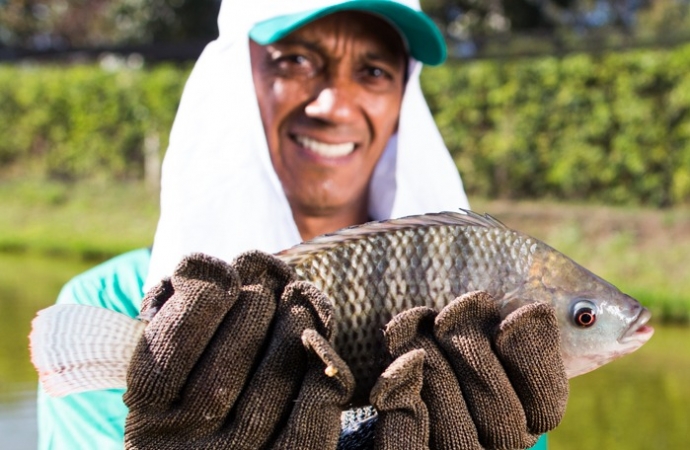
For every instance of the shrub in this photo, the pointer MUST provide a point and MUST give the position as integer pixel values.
(610, 127)
(82, 121)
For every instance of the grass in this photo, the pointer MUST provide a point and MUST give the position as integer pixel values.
(642, 251)
(89, 221)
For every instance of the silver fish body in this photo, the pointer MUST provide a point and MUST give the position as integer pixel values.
(375, 271)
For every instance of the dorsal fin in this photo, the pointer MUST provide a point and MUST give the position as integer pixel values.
(296, 254)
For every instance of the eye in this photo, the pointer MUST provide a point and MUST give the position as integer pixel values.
(584, 313)
(294, 64)
(377, 78)
(377, 72)
(295, 59)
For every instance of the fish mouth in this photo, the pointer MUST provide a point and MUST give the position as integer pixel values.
(638, 331)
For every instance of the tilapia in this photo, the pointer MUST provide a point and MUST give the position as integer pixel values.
(374, 271)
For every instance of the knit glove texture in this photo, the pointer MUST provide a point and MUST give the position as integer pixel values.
(236, 356)
(465, 379)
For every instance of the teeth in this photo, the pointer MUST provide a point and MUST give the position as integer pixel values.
(323, 149)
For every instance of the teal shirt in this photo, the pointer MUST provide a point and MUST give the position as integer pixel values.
(541, 444)
(96, 420)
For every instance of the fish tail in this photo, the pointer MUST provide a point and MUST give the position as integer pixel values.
(78, 348)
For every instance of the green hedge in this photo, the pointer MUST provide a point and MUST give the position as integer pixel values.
(82, 121)
(612, 127)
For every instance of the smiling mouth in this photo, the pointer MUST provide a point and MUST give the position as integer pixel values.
(324, 149)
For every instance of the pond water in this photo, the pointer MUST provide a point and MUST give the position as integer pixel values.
(639, 402)
(18, 418)
(27, 284)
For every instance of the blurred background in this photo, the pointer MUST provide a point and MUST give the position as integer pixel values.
(568, 120)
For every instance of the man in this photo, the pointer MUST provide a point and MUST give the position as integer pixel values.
(235, 115)
(300, 119)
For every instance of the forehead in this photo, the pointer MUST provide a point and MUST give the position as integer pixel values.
(338, 30)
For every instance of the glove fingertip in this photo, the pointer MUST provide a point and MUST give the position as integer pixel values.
(538, 313)
(155, 298)
(255, 266)
(469, 310)
(308, 296)
(334, 366)
(400, 385)
(406, 327)
(202, 267)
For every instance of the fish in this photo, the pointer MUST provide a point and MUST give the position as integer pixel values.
(372, 272)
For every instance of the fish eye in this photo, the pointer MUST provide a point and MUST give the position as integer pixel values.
(584, 313)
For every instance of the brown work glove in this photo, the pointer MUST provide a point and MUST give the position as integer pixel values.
(464, 379)
(235, 356)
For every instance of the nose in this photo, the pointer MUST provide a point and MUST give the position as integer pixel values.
(334, 103)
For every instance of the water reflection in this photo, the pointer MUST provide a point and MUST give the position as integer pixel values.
(27, 284)
(18, 417)
(638, 402)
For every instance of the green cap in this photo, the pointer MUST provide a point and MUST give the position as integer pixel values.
(422, 37)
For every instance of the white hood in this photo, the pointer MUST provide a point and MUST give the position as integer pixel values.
(220, 194)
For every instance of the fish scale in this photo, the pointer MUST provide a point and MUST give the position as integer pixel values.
(373, 272)
(373, 276)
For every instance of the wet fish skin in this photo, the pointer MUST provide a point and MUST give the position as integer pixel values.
(373, 272)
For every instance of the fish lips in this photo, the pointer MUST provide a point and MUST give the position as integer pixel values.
(638, 332)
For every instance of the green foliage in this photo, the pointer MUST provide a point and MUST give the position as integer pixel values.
(82, 121)
(612, 127)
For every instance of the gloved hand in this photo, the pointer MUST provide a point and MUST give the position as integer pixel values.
(464, 379)
(235, 356)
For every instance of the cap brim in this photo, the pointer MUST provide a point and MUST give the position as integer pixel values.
(422, 37)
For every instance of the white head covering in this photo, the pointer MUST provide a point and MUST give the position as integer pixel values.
(220, 194)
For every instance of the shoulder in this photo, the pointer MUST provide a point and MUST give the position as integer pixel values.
(115, 284)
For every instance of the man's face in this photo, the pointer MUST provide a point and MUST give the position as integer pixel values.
(329, 96)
